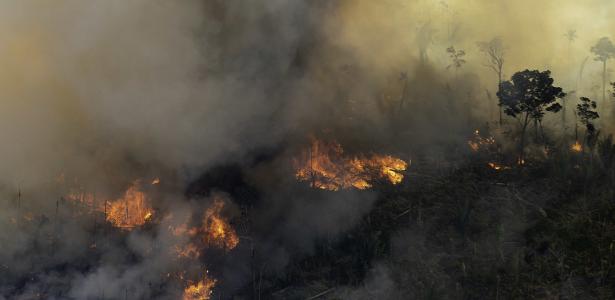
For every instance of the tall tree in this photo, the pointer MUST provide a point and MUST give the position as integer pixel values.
(586, 111)
(603, 51)
(494, 50)
(571, 36)
(527, 96)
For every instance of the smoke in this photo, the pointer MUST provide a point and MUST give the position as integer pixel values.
(378, 285)
(101, 93)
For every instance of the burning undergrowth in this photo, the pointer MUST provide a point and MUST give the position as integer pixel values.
(208, 242)
(123, 235)
(324, 165)
(131, 210)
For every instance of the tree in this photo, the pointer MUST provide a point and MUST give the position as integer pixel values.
(527, 96)
(586, 111)
(494, 50)
(456, 58)
(571, 36)
(403, 76)
(603, 51)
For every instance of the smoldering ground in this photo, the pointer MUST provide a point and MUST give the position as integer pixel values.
(109, 92)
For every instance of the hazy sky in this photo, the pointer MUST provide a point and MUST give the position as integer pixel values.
(124, 76)
(533, 31)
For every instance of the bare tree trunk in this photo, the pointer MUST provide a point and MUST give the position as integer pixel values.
(576, 128)
(403, 95)
(564, 115)
(499, 87)
(523, 130)
(490, 105)
(603, 83)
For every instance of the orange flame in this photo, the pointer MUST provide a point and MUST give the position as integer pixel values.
(217, 231)
(214, 231)
(200, 290)
(132, 210)
(478, 142)
(576, 147)
(497, 166)
(326, 167)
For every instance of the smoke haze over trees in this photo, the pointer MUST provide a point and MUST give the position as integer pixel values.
(199, 111)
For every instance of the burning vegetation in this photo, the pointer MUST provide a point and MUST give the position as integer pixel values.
(497, 166)
(200, 290)
(576, 147)
(479, 142)
(213, 231)
(134, 209)
(324, 165)
(131, 210)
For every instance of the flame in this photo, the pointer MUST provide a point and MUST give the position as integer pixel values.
(217, 231)
(478, 142)
(132, 210)
(200, 290)
(576, 147)
(326, 167)
(214, 231)
(497, 166)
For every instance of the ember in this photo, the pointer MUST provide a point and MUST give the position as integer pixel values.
(478, 142)
(497, 166)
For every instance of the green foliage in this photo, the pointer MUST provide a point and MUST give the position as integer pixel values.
(586, 110)
(530, 92)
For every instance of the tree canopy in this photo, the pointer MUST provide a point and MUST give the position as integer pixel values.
(603, 49)
(530, 92)
(586, 110)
